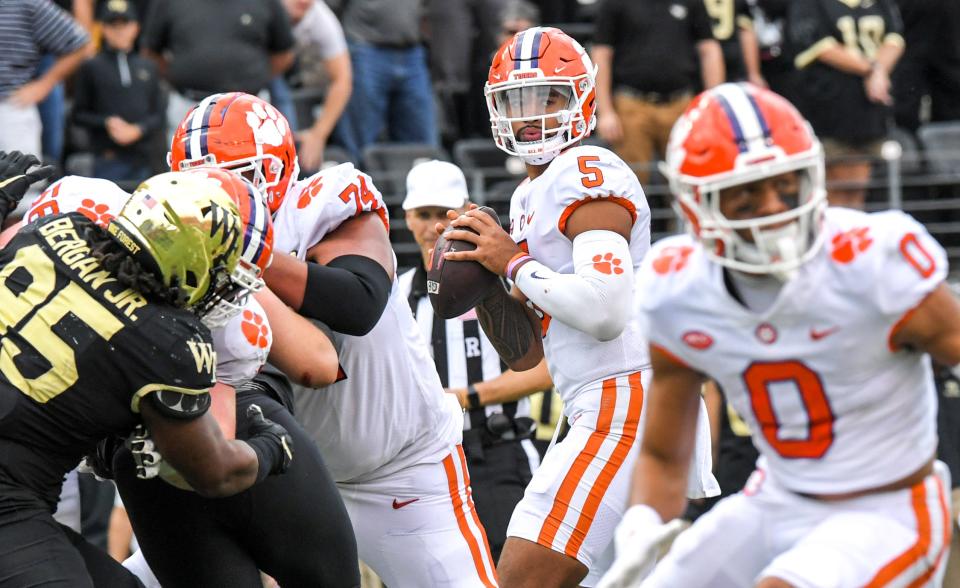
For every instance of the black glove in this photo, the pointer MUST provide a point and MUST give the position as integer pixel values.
(14, 179)
(100, 462)
(272, 443)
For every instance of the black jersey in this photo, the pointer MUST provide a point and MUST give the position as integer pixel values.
(835, 102)
(727, 18)
(78, 353)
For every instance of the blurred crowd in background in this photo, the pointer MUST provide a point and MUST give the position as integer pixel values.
(98, 86)
(108, 80)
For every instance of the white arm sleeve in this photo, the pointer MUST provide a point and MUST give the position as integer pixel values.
(597, 297)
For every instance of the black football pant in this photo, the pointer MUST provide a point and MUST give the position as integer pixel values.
(38, 552)
(292, 526)
(498, 478)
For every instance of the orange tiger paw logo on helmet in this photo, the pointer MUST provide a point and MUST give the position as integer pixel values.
(672, 259)
(255, 329)
(98, 213)
(849, 244)
(607, 264)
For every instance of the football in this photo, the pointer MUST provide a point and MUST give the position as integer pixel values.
(455, 287)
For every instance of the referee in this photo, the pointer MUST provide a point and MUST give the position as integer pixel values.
(497, 428)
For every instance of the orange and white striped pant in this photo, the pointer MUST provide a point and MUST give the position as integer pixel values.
(891, 539)
(419, 527)
(578, 494)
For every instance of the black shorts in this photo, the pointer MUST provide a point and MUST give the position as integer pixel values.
(35, 550)
(292, 526)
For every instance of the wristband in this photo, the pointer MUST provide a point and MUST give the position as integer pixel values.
(268, 455)
(516, 262)
(473, 398)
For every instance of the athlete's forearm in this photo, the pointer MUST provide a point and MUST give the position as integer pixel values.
(513, 329)
(511, 385)
(597, 298)
(660, 484)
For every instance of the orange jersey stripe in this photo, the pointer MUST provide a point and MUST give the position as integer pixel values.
(451, 471)
(573, 206)
(664, 351)
(592, 503)
(473, 512)
(947, 532)
(903, 320)
(608, 402)
(916, 551)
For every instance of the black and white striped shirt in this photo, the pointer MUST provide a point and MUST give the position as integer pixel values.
(30, 29)
(462, 353)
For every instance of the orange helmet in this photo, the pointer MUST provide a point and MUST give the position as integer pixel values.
(243, 133)
(256, 249)
(540, 75)
(734, 134)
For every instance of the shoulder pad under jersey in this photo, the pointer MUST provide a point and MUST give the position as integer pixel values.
(99, 200)
(319, 204)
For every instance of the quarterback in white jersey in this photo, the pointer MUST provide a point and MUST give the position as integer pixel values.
(386, 429)
(579, 228)
(816, 323)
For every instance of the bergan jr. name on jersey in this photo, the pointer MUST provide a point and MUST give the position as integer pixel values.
(62, 237)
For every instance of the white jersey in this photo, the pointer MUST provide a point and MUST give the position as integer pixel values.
(99, 200)
(388, 411)
(242, 345)
(539, 210)
(832, 406)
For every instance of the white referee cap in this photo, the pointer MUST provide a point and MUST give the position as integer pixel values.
(435, 183)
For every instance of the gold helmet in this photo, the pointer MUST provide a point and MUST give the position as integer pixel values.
(187, 230)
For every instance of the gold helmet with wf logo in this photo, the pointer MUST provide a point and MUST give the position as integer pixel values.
(187, 230)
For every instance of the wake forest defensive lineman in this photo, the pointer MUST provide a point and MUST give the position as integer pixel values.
(98, 329)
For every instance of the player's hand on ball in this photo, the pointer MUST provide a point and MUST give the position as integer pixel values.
(639, 539)
(457, 285)
(494, 247)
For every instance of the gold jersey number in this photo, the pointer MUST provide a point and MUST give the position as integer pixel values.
(48, 307)
(722, 14)
(864, 35)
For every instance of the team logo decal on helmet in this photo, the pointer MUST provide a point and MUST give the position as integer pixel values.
(243, 133)
(256, 248)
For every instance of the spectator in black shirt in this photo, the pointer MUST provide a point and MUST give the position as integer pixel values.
(117, 97)
(647, 54)
(733, 29)
(930, 66)
(208, 46)
(847, 51)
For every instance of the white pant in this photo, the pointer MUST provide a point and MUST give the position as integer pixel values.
(418, 526)
(578, 494)
(891, 539)
(20, 129)
(68, 509)
(138, 566)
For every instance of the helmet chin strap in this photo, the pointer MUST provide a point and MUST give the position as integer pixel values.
(781, 245)
(548, 154)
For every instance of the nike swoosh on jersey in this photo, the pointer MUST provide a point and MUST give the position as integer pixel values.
(816, 335)
(534, 275)
(399, 505)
